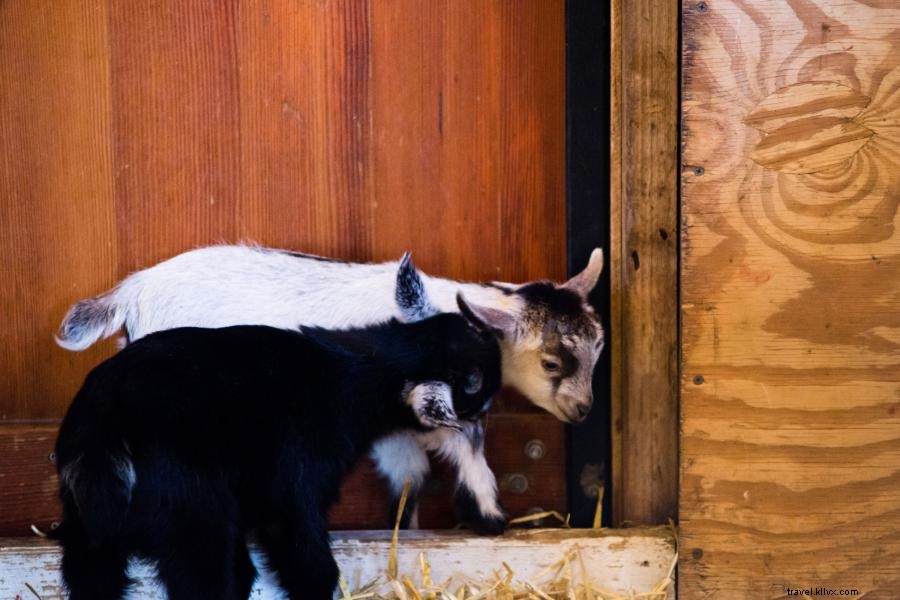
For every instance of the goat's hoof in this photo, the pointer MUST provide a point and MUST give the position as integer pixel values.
(489, 525)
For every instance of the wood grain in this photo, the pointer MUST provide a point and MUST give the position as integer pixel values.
(358, 130)
(624, 562)
(28, 483)
(305, 127)
(790, 471)
(174, 80)
(644, 234)
(57, 221)
(468, 122)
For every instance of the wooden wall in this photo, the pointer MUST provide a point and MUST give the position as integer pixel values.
(131, 132)
(790, 379)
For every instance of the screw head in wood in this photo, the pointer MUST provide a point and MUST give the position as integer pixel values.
(698, 380)
(535, 450)
(702, 7)
(516, 483)
(698, 171)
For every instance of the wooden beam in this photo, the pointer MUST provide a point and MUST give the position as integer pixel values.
(28, 483)
(618, 561)
(644, 262)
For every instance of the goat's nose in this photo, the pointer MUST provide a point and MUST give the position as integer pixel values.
(583, 409)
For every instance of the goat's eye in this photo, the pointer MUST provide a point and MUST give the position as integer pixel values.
(473, 382)
(551, 365)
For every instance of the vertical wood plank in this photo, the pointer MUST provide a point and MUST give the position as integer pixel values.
(790, 471)
(175, 122)
(305, 126)
(468, 116)
(644, 217)
(57, 237)
(341, 128)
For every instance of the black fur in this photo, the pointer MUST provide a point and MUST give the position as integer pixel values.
(560, 302)
(188, 440)
(409, 509)
(410, 293)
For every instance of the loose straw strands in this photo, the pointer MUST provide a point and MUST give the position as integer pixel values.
(566, 579)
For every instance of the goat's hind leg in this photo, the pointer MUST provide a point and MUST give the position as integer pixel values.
(206, 561)
(297, 551)
(91, 571)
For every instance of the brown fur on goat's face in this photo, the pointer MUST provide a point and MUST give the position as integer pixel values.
(551, 356)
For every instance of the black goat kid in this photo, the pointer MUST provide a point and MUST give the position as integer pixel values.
(189, 439)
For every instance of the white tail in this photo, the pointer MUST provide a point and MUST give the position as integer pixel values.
(89, 320)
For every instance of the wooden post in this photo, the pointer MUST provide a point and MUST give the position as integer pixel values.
(644, 242)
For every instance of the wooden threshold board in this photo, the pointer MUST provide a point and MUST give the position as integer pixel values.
(621, 561)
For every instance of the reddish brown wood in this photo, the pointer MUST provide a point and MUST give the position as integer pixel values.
(174, 90)
(28, 483)
(57, 235)
(305, 123)
(468, 110)
(129, 134)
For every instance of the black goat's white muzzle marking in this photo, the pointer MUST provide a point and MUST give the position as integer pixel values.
(432, 402)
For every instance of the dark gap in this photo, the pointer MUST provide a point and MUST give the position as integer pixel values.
(678, 232)
(587, 206)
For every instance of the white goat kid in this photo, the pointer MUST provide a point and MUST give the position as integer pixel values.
(550, 338)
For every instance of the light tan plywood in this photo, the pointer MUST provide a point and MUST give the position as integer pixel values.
(790, 384)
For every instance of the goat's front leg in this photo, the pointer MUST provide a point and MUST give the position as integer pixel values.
(399, 458)
(476, 492)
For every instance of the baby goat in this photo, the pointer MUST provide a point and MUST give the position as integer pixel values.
(189, 439)
(550, 337)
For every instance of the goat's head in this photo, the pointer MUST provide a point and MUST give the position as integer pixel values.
(550, 341)
(551, 348)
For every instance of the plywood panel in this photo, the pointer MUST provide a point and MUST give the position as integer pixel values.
(57, 238)
(644, 263)
(790, 385)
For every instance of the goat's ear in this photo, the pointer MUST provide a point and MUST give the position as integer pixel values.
(584, 282)
(486, 319)
(410, 293)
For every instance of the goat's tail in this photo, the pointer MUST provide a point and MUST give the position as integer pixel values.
(89, 320)
(98, 485)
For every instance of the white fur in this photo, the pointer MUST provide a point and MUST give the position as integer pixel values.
(219, 286)
(399, 458)
(472, 469)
